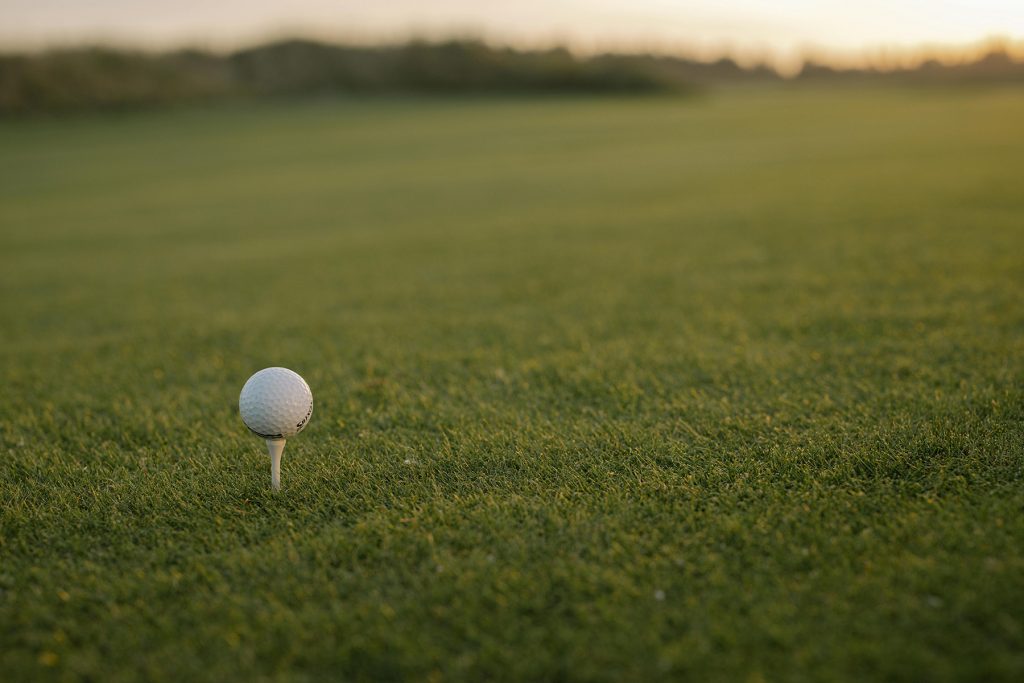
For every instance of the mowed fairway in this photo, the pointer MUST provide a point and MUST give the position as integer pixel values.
(724, 388)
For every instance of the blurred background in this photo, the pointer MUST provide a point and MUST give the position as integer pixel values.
(61, 54)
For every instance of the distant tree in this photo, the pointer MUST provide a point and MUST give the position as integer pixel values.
(996, 66)
(103, 78)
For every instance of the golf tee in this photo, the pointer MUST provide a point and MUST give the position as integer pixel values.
(276, 448)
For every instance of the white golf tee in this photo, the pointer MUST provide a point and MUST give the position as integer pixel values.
(276, 448)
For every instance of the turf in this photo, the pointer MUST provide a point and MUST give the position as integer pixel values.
(726, 388)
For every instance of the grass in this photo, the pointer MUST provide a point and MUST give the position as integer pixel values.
(648, 389)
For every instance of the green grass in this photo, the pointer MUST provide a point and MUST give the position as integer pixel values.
(718, 389)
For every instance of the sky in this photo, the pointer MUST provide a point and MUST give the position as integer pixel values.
(777, 30)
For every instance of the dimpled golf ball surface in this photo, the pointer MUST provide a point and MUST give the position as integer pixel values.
(275, 403)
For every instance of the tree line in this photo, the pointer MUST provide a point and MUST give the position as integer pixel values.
(107, 78)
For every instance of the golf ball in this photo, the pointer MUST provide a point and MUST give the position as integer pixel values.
(275, 403)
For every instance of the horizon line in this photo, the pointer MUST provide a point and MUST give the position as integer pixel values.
(882, 56)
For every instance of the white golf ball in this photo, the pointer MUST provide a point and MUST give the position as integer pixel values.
(275, 403)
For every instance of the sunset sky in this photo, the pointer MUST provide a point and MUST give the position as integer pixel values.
(780, 29)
